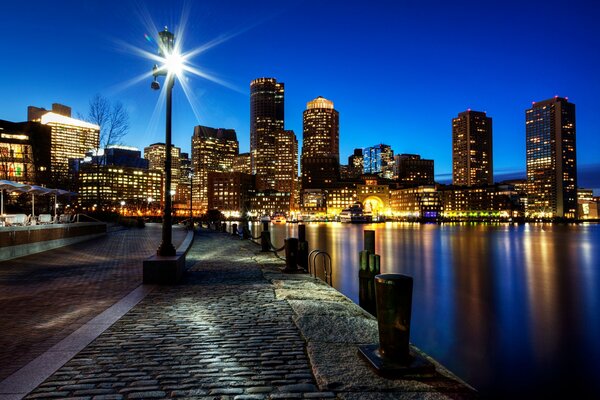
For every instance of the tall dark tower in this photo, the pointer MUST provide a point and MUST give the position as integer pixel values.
(320, 161)
(551, 159)
(266, 118)
(472, 149)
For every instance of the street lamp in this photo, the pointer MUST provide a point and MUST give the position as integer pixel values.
(172, 62)
(191, 175)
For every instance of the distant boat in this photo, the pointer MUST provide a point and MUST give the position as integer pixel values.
(265, 218)
(355, 214)
(278, 219)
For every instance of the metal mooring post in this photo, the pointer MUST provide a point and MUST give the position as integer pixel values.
(393, 357)
(265, 237)
(291, 255)
(302, 248)
(234, 230)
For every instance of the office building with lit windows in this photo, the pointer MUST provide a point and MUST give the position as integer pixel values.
(242, 163)
(229, 192)
(70, 139)
(156, 154)
(356, 164)
(379, 160)
(118, 179)
(213, 150)
(412, 170)
(551, 159)
(25, 152)
(286, 172)
(320, 160)
(266, 119)
(472, 149)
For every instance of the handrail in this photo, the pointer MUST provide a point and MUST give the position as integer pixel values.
(326, 263)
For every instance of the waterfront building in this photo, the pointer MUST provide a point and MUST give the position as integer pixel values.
(374, 194)
(229, 192)
(25, 152)
(269, 202)
(472, 149)
(412, 170)
(266, 118)
(70, 139)
(551, 159)
(117, 178)
(242, 163)
(314, 202)
(342, 196)
(481, 202)
(156, 155)
(587, 204)
(286, 163)
(417, 202)
(213, 149)
(356, 164)
(379, 160)
(320, 160)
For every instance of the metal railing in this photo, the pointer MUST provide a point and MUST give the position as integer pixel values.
(325, 258)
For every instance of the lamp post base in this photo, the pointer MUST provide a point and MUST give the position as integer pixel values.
(166, 250)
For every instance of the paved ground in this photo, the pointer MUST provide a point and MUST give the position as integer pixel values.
(238, 329)
(46, 296)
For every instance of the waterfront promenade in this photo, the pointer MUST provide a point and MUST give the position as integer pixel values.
(236, 328)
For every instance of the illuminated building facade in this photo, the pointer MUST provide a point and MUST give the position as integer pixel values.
(472, 149)
(320, 145)
(481, 202)
(213, 150)
(587, 205)
(156, 155)
(340, 197)
(70, 139)
(269, 202)
(419, 202)
(229, 192)
(356, 164)
(374, 196)
(551, 159)
(286, 172)
(24, 152)
(379, 160)
(118, 174)
(242, 163)
(266, 119)
(412, 170)
(181, 201)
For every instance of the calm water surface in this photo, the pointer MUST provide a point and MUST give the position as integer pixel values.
(511, 309)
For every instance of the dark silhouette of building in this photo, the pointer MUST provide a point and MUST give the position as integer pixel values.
(356, 164)
(472, 149)
(266, 119)
(412, 170)
(551, 159)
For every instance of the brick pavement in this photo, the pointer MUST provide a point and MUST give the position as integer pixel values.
(222, 334)
(46, 296)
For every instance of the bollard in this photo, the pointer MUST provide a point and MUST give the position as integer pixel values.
(245, 231)
(291, 255)
(265, 236)
(374, 264)
(234, 230)
(369, 240)
(392, 357)
(223, 226)
(366, 283)
(302, 248)
(265, 225)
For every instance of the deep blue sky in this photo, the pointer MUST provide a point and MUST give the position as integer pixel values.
(397, 71)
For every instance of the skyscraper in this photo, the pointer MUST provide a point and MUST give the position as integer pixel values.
(213, 149)
(472, 149)
(70, 139)
(379, 160)
(286, 171)
(156, 154)
(320, 144)
(356, 164)
(266, 118)
(551, 159)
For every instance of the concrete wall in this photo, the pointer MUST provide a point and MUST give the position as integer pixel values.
(19, 241)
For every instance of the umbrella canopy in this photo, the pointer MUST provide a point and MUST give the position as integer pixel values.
(34, 189)
(11, 187)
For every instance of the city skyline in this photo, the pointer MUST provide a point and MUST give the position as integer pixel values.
(395, 77)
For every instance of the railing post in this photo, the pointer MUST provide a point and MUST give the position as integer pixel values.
(265, 237)
(223, 226)
(392, 357)
(234, 230)
(302, 247)
(291, 255)
(369, 240)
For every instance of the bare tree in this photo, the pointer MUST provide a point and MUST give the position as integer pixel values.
(113, 120)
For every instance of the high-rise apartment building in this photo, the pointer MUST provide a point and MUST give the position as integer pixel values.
(213, 150)
(242, 163)
(551, 159)
(472, 149)
(156, 155)
(70, 139)
(320, 161)
(266, 119)
(412, 170)
(379, 160)
(286, 172)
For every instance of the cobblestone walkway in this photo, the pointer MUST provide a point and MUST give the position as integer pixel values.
(46, 296)
(222, 334)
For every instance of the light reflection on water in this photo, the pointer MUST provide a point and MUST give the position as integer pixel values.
(511, 309)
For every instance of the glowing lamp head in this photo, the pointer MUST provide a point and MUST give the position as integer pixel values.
(174, 63)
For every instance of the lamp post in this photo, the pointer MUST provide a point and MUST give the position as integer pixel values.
(165, 49)
(191, 175)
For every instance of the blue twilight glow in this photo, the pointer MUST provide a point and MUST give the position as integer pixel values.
(397, 71)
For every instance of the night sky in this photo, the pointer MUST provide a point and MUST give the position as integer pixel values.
(397, 71)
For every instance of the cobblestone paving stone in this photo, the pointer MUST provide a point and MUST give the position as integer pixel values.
(221, 334)
(46, 296)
